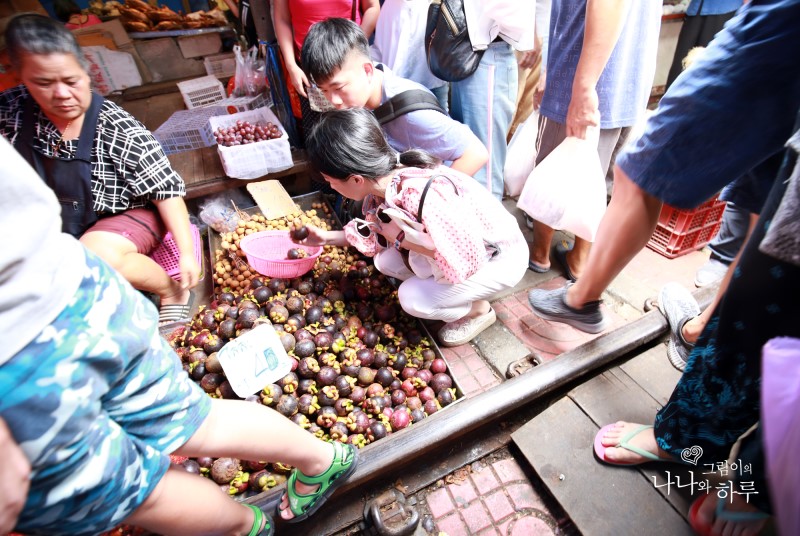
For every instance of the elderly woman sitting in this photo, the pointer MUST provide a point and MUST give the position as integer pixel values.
(117, 190)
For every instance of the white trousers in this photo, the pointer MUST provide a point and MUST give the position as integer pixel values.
(427, 299)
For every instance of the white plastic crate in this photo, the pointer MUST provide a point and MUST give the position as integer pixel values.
(188, 129)
(221, 65)
(254, 160)
(201, 91)
(242, 104)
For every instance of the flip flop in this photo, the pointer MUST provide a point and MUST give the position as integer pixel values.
(560, 253)
(345, 460)
(600, 449)
(175, 312)
(703, 529)
(538, 268)
(260, 516)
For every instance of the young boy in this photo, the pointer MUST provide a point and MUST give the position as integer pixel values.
(336, 58)
(97, 400)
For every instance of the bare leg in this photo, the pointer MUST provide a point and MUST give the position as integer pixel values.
(254, 432)
(140, 270)
(694, 327)
(182, 503)
(707, 514)
(626, 227)
(542, 237)
(578, 256)
(479, 308)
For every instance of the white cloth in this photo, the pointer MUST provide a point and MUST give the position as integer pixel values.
(400, 41)
(512, 20)
(427, 299)
(40, 267)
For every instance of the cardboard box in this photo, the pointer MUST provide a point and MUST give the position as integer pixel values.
(112, 29)
(165, 61)
(197, 46)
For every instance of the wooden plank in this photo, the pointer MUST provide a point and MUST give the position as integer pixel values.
(615, 396)
(600, 500)
(654, 373)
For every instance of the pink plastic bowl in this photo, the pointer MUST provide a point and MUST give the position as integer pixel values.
(266, 254)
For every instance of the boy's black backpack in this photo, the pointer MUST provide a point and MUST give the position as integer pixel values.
(408, 101)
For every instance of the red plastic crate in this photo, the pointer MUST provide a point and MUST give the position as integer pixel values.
(682, 231)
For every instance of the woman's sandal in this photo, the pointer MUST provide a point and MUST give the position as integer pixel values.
(262, 524)
(705, 530)
(345, 460)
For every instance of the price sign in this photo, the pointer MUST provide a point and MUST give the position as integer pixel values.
(254, 360)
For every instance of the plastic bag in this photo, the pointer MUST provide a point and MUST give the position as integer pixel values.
(521, 155)
(567, 190)
(317, 100)
(250, 79)
(780, 418)
(219, 214)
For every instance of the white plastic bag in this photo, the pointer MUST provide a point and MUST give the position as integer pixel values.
(567, 190)
(521, 155)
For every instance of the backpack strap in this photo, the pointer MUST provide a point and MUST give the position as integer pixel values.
(405, 102)
(425, 193)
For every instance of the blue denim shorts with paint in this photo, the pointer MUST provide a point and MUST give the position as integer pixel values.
(97, 402)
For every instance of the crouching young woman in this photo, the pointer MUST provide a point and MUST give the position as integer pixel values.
(454, 246)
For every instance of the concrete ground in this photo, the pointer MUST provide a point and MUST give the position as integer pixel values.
(497, 495)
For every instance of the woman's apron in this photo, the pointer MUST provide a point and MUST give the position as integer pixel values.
(70, 179)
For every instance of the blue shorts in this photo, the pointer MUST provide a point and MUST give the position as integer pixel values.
(734, 107)
(97, 402)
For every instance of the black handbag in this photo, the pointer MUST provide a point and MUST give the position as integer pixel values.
(447, 44)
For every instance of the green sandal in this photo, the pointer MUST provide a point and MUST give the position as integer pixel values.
(345, 460)
(260, 518)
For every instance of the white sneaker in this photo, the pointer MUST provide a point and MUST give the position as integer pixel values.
(710, 273)
(464, 330)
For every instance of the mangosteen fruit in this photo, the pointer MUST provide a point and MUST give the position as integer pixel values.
(295, 322)
(338, 431)
(343, 406)
(277, 285)
(299, 234)
(344, 385)
(198, 371)
(398, 397)
(205, 462)
(314, 314)
(247, 317)
(227, 328)
(430, 407)
(326, 376)
(380, 359)
(226, 391)
(191, 466)
(384, 376)
(262, 294)
(366, 375)
(425, 375)
(375, 405)
(303, 335)
(287, 340)
(211, 381)
(307, 404)
(300, 420)
(440, 381)
(417, 415)
(270, 394)
(223, 470)
(400, 419)
(427, 394)
(278, 314)
(375, 389)
(288, 383)
(305, 287)
(294, 304)
(328, 396)
(323, 340)
(445, 397)
(307, 367)
(326, 416)
(287, 405)
(438, 365)
(377, 430)
(305, 348)
(307, 385)
(252, 466)
(212, 364)
(366, 356)
(358, 394)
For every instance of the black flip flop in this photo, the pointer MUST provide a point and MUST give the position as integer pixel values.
(560, 254)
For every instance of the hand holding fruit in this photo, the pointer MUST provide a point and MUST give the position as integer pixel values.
(311, 236)
(15, 473)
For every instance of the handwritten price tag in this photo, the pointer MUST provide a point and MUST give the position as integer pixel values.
(254, 360)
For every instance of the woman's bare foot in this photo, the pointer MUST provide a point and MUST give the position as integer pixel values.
(180, 296)
(645, 440)
(707, 516)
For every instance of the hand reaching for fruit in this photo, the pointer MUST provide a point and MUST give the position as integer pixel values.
(308, 235)
(190, 271)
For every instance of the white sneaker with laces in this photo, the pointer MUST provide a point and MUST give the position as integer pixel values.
(464, 330)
